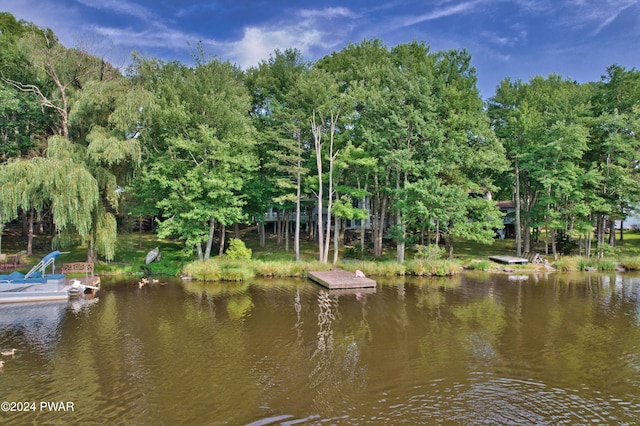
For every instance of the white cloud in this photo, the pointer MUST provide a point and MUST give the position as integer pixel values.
(258, 43)
(313, 28)
(330, 12)
(593, 13)
(144, 38)
(442, 12)
(494, 38)
(123, 7)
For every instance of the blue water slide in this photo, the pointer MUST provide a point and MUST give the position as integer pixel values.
(42, 265)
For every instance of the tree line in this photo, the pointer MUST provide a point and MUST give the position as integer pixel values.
(398, 137)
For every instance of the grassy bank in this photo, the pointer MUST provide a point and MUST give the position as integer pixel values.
(274, 261)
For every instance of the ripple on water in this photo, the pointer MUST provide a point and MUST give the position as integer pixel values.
(500, 401)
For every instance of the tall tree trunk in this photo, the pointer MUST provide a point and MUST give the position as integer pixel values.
(600, 234)
(518, 224)
(336, 239)
(526, 234)
(587, 239)
(612, 232)
(140, 231)
(379, 214)
(261, 232)
(279, 228)
(92, 254)
(316, 130)
(30, 234)
(212, 225)
(24, 220)
(380, 224)
(401, 245)
(313, 227)
(621, 229)
(223, 231)
(363, 222)
(330, 190)
(554, 247)
(296, 234)
(320, 228)
(286, 231)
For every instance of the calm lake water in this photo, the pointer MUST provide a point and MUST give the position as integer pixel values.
(477, 348)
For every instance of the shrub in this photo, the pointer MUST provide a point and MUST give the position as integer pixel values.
(437, 268)
(205, 271)
(568, 263)
(387, 269)
(631, 262)
(236, 273)
(418, 267)
(444, 268)
(606, 250)
(429, 252)
(480, 265)
(238, 250)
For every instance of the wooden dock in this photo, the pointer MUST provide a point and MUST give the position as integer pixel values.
(340, 279)
(510, 260)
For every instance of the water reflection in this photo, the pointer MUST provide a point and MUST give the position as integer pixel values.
(478, 348)
(35, 324)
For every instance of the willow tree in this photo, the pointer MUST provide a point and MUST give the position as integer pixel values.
(98, 116)
(71, 191)
(106, 118)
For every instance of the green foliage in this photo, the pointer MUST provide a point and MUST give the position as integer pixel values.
(598, 264)
(401, 131)
(238, 250)
(199, 147)
(376, 268)
(429, 252)
(605, 250)
(351, 252)
(222, 269)
(565, 244)
(631, 263)
(432, 268)
(568, 263)
(70, 190)
(479, 265)
(276, 269)
(219, 270)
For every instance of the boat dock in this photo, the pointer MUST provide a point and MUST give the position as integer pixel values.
(87, 284)
(510, 260)
(340, 279)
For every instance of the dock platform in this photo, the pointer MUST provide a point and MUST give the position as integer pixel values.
(340, 279)
(510, 260)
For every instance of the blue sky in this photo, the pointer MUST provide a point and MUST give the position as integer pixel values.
(577, 39)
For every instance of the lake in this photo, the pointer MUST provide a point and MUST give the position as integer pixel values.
(476, 348)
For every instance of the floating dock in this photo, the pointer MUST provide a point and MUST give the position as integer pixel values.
(510, 260)
(340, 279)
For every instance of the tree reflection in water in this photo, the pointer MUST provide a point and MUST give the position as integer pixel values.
(323, 354)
